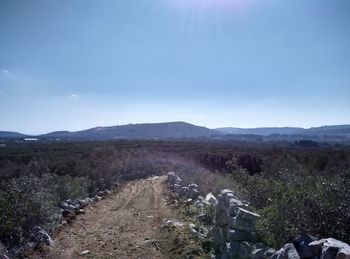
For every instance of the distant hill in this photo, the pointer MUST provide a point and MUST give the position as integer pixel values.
(167, 130)
(58, 134)
(265, 131)
(329, 130)
(147, 130)
(11, 135)
(180, 130)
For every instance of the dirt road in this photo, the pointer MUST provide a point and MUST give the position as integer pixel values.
(126, 224)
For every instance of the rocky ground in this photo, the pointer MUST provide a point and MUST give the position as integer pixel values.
(127, 224)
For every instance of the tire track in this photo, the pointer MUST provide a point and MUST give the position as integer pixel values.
(118, 226)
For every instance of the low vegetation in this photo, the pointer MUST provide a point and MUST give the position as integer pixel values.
(295, 188)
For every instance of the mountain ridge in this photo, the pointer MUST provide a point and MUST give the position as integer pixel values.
(178, 130)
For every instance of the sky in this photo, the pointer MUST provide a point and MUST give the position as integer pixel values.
(77, 64)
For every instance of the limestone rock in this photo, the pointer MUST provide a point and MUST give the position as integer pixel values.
(290, 252)
(192, 186)
(278, 254)
(301, 244)
(233, 205)
(343, 253)
(193, 193)
(238, 235)
(184, 192)
(258, 253)
(327, 247)
(211, 198)
(244, 220)
(42, 237)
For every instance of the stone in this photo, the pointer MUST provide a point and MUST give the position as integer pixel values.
(68, 213)
(205, 218)
(85, 252)
(80, 211)
(258, 253)
(96, 198)
(178, 180)
(278, 254)
(88, 200)
(233, 206)
(247, 215)
(301, 244)
(184, 192)
(193, 186)
(225, 191)
(290, 252)
(245, 249)
(67, 206)
(244, 220)
(171, 178)
(219, 238)
(216, 238)
(222, 219)
(316, 246)
(220, 207)
(42, 237)
(82, 203)
(262, 253)
(101, 193)
(171, 224)
(197, 234)
(233, 248)
(325, 248)
(343, 253)
(193, 193)
(269, 252)
(329, 252)
(238, 235)
(176, 187)
(227, 197)
(211, 199)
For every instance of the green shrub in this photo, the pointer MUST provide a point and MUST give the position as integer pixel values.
(293, 203)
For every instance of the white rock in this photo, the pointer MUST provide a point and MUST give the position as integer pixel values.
(85, 252)
(211, 198)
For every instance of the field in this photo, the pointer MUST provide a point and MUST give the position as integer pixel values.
(296, 189)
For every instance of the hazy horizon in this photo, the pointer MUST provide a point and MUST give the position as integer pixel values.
(229, 126)
(73, 65)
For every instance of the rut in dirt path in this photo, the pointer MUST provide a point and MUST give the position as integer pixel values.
(121, 226)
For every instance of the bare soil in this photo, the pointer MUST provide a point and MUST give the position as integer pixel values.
(126, 224)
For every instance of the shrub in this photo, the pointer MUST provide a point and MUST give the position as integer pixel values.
(293, 203)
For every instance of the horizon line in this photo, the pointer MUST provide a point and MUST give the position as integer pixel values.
(141, 123)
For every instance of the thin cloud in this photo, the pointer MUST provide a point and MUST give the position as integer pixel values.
(74, 96)
(7, 73)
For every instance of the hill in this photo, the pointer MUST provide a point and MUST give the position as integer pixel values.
(167, 130)
(183, 130)
(11, 135)
(265, 131)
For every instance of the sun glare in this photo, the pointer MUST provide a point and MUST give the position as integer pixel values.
(207, 5)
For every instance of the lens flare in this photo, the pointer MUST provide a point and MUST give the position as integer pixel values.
(207, 5)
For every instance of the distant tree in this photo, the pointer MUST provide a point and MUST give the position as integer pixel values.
(251, 163)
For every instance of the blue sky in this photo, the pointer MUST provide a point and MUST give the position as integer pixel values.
(75, 64)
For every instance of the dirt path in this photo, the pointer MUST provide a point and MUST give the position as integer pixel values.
(123, 225)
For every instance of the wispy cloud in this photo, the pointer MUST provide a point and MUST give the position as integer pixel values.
(7, 73)
(75, 96)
